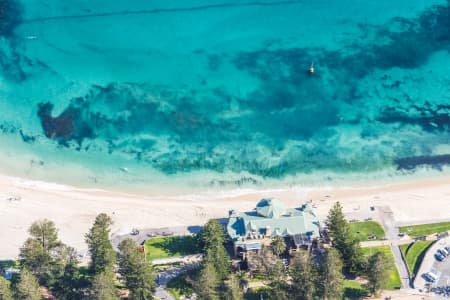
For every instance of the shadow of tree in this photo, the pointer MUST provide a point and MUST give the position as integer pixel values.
(178, 245)
(355, 293)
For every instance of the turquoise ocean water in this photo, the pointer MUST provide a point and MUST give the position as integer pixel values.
(179, 95)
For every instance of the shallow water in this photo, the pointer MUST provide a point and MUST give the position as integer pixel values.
(214, 93)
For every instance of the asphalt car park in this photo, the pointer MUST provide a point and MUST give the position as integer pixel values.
(439, 275)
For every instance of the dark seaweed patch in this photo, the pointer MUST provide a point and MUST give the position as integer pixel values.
(10, 63)
(10, 16)
(69, 125)
(427, 117)
(435, 161)
(27, 138)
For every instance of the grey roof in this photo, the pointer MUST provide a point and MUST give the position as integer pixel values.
(270, 208)
(270, 214)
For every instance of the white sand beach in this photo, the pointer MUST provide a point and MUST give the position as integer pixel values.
(73, 210)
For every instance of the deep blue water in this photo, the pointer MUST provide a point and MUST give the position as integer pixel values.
(221, 89)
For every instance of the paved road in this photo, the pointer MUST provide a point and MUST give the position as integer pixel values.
(386, 218)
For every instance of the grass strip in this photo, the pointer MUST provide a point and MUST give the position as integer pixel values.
(425, 229)
(394, 277)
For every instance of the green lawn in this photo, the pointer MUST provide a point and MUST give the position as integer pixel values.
(164, 247)
(425, 229)
(394, 277)
(414, 254)
(364, 230)
(354, 290)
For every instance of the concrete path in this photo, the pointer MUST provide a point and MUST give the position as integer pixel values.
(391, 230)
(167, 275)
(188, 263)
(161, 293)
(187, 259)
(402, 241)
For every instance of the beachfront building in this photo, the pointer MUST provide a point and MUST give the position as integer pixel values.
(251, 230)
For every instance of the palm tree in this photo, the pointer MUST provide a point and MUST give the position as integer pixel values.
(278, 245)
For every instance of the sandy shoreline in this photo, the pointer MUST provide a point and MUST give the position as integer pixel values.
(73, 209)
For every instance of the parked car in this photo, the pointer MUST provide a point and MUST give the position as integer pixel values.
(439, 256)
(428, 277)
(442, 252)
(445, 251)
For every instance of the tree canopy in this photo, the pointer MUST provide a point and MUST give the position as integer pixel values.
(138, 273)
(103, 287)
(343, 240)
(207, 283)
(5, 289)
(103, 257)
(378, 272)
(211, 235)
(304, 276)
(331, 279)
(233, 289)
(39, 254)
(28, 286)
(212, 239)
(278, 245)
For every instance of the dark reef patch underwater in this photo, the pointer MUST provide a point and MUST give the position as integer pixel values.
(10, 16)
(380, 96)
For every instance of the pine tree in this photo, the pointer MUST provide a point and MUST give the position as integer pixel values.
(303, 276)
(103, 287)
(331, 280)
(207, 283)
(138, 273)
(278, 245)
(212, 234)
(233, 289)
(219, 258)
(212, 239)
(344, 240)
(36, 252)
(45, 232)
(5, 289)
(103, 256)
(378, 274)
(278, 283)
(28, 286)
(65, 283)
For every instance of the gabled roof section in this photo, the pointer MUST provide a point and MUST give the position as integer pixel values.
(270, 208)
